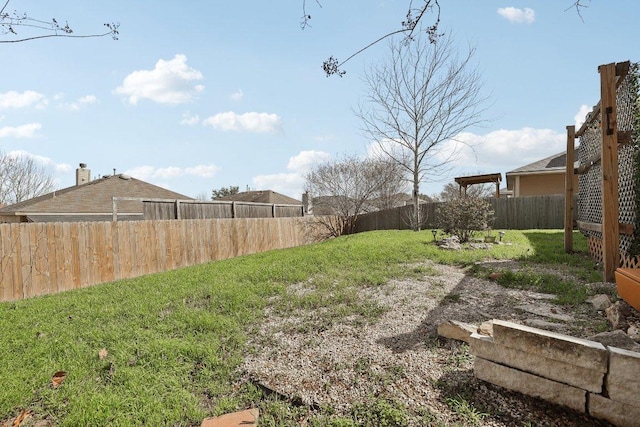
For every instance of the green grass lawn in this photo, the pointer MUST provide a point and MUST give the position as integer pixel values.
(174, 340)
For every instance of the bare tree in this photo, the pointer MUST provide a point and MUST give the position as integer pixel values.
(341, 190)
(11, 23)
(452, 191)
(21, 178)
(416, 103)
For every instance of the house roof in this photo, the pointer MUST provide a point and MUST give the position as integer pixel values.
(263, 196)
(94, 197)
(555, 163)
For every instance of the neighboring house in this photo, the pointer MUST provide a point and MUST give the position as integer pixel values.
(88, 200)
(266, 196)
(332, 205)
(544, 177)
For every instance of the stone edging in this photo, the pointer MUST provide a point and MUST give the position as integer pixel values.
(601, 381)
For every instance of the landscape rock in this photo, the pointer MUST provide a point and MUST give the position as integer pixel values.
(600, 302)
(456, 330)
(634, 332)
(580, 352)
(567, 373)
(450, 243)
(614, 412)
(486, 328)
(244, 418)
(617, 339)
(532, 385)
(618, 313)
(543, 324)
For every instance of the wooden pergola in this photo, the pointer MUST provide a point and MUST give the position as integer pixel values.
(466, 181)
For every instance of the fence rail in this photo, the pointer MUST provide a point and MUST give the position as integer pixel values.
(45, 258)
(516, 213)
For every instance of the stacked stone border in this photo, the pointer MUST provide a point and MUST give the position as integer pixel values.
(586, 376)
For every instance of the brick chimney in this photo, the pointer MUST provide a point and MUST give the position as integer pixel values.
(83, 175)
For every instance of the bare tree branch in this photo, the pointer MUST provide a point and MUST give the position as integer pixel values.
(578, 5)
(409, 27)
(11, 23)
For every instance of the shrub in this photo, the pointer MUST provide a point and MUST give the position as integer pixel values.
(464, 216)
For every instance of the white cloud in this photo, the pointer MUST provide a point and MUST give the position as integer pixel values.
(168, 172)
(143, 173)
(62, 167)
(237, 96)
(170, 82)
(28, 98)
(249, 122)
(518, 16)
(290, 184)
(44, 161)
(504, 150)
(147, 172)
(303, 162)
(78, 103)
(203, 171)
(581, 115)
(189, 120)
(23, 131)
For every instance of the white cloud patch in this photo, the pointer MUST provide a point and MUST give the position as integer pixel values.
(78, 103)
(147, 172)
(62, 167)
(247, 122)
(292, 184)
(518, 16)
(189, 120)
(237, 96)
(303, 162)
(28, 98)
(503, 150)
(170, 82)
(24, 131)
(581, 115)
(202, 171)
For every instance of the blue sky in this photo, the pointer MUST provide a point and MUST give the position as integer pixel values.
(201, 95)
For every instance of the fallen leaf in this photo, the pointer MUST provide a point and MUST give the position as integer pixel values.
(58, 378)
(103, 354)
(20, 418)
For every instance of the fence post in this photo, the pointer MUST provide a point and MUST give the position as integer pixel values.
(610, 208)
(178, 215)
(568, 195)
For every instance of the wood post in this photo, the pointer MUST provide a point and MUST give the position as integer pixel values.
(610, 208)
(569, 190)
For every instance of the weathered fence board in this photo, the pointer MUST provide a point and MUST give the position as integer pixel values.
(515, 213)
(44, 258)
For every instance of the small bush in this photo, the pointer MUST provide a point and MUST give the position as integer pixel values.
(463, 216)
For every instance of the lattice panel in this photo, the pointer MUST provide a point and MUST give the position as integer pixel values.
(590, 184)
(595, 249)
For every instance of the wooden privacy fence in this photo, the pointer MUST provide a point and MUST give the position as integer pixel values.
(156, 209)
(515, 213)
(45, 258)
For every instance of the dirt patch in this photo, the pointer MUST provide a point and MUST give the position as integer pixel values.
(399, 358)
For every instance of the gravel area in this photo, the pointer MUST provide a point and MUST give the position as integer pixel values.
(397, 357)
